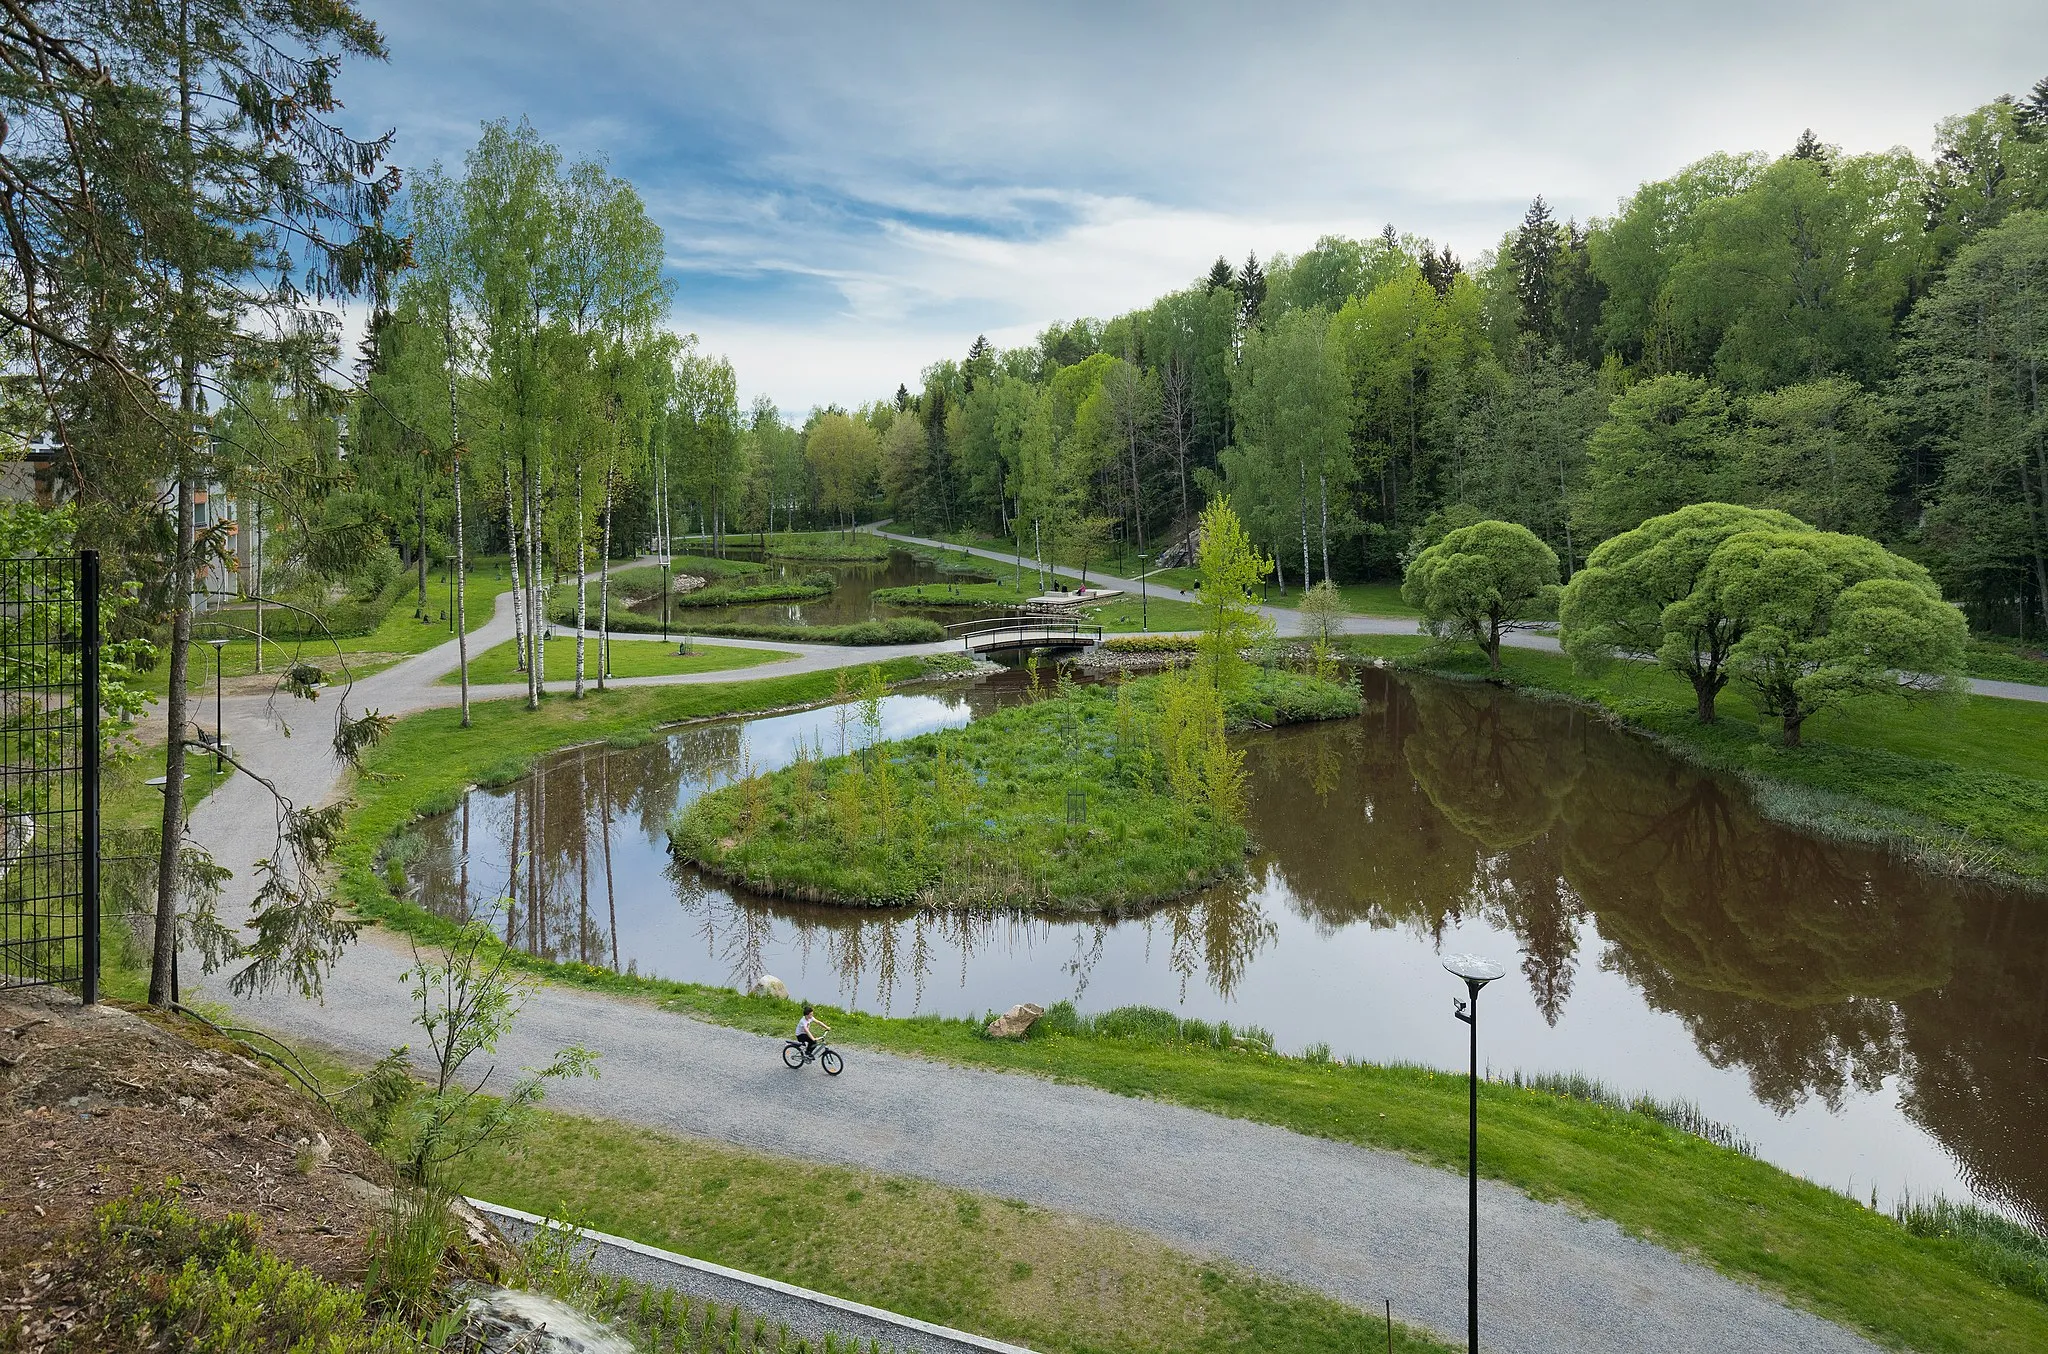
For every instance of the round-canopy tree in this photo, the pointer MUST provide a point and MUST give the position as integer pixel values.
(1829, 616)
(1640, 594)
(1481, 581)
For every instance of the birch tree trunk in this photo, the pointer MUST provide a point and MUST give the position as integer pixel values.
(582, 592)
(518, 597)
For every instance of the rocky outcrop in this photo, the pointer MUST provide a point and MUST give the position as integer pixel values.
(1016, 1022)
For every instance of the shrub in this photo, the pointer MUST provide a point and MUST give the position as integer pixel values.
(1187, 644)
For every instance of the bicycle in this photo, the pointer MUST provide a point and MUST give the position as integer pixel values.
(794, 1057)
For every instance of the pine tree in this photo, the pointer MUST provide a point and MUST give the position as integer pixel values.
(902, 397)
(1809, 147)
(1440, 269)
(1535, 251)
(1221, 274)
(1251, 289)
(1389, 240)
(981, 361)
(2032, 112)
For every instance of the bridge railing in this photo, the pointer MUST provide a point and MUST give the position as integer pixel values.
(1020, 630)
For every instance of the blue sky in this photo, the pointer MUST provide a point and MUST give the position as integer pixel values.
(851, 192)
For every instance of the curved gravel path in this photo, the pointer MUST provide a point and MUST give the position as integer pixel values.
(1357, 1224)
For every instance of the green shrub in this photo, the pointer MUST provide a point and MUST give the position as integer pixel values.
(1186, 644)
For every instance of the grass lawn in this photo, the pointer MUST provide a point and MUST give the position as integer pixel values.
(997, 1267)
(1749, 1219)
(630, 658)
(1131, 612)
(1959, 781)
(400, 635)
(954, 594)
(1063, 804)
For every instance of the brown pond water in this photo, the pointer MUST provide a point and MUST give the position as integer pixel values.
(1863, 1022)
(850, 601)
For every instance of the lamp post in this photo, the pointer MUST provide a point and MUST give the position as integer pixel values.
(219, 734)
(1144, 596)
(1477, 973)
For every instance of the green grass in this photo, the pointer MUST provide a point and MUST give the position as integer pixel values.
(1062, 804)
(892, 630)
(1747, 1218)
(1132, 612)
(630, 658)
(997, 1267)
(954, 594)
(2008, 660)
(830, 546)
(1960, 782)
(400, 635)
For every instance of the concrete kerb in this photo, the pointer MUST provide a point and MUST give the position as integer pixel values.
(808, 1314)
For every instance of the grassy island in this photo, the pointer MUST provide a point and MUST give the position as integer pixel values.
(1089, 799)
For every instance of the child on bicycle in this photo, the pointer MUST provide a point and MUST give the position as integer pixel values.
(807, 1031)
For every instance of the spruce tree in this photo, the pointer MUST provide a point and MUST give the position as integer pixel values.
(981, 361)
(1251, 290)
(1535, 251)
(1221, 274)
(2032, 112)
(902, 397)
(1809, 147)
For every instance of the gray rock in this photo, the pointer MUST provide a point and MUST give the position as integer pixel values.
(1016, 1022)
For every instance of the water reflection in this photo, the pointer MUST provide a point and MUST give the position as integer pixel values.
(851, 600)
(1861, 1009)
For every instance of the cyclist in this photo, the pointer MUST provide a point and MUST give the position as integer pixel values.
(807, 1031)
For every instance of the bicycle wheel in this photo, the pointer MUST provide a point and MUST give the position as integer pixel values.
(792, 1056)
(831, 1063)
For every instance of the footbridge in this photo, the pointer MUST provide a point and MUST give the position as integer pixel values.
(1007, 633)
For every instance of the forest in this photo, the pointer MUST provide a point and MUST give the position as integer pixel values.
(1849, 338)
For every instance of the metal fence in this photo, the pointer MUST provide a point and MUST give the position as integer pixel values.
(50, 772)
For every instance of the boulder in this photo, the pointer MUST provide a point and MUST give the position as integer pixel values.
(768, 985)
(1016, 1022)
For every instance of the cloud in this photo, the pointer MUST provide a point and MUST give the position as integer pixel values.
(850, 193)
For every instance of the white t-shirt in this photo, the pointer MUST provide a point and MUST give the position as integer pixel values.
(804, 1026)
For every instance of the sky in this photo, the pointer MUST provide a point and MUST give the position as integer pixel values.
(850, 193)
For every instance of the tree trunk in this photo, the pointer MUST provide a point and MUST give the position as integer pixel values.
(461, 554)
(604, 587)
(1792, 722)
(256, 569)
(533, 628)
(582, 591)
(1704, 691)
(164, 952)
(518, 598)
(1325, 482)
(1305, 574)
(422, 528)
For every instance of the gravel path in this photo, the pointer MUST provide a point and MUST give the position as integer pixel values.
(1356, 1224)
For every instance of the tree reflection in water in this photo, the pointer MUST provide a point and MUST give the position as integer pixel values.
(1819, 969)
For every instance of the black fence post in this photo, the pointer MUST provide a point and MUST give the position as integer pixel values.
(89, 777)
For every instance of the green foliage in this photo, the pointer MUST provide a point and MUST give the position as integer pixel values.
(1183, 644)
(1640, 593)
(1829, 617)
(953, 594)
(1083, 801)
(1323, 611)
(1481, 581)
(406, 1251)
(742, 593)
(829, 546)
(465, 999)
(1665, 444)
(1231, 568)
(893, 630)
(207, 1286)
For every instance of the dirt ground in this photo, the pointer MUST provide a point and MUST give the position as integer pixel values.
(98, 1101)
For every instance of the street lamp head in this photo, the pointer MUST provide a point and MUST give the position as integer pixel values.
(1474, 970)
(218, 644)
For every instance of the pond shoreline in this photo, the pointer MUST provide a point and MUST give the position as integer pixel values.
(1730, 748)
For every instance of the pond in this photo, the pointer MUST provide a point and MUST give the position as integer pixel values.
(1864, 1022)
(852, 600)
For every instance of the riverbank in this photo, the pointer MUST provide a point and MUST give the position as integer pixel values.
(1959, 785)
(1090, 800)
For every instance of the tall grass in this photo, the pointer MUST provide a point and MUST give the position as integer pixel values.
(2003, 1251)
(1678, 1113)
